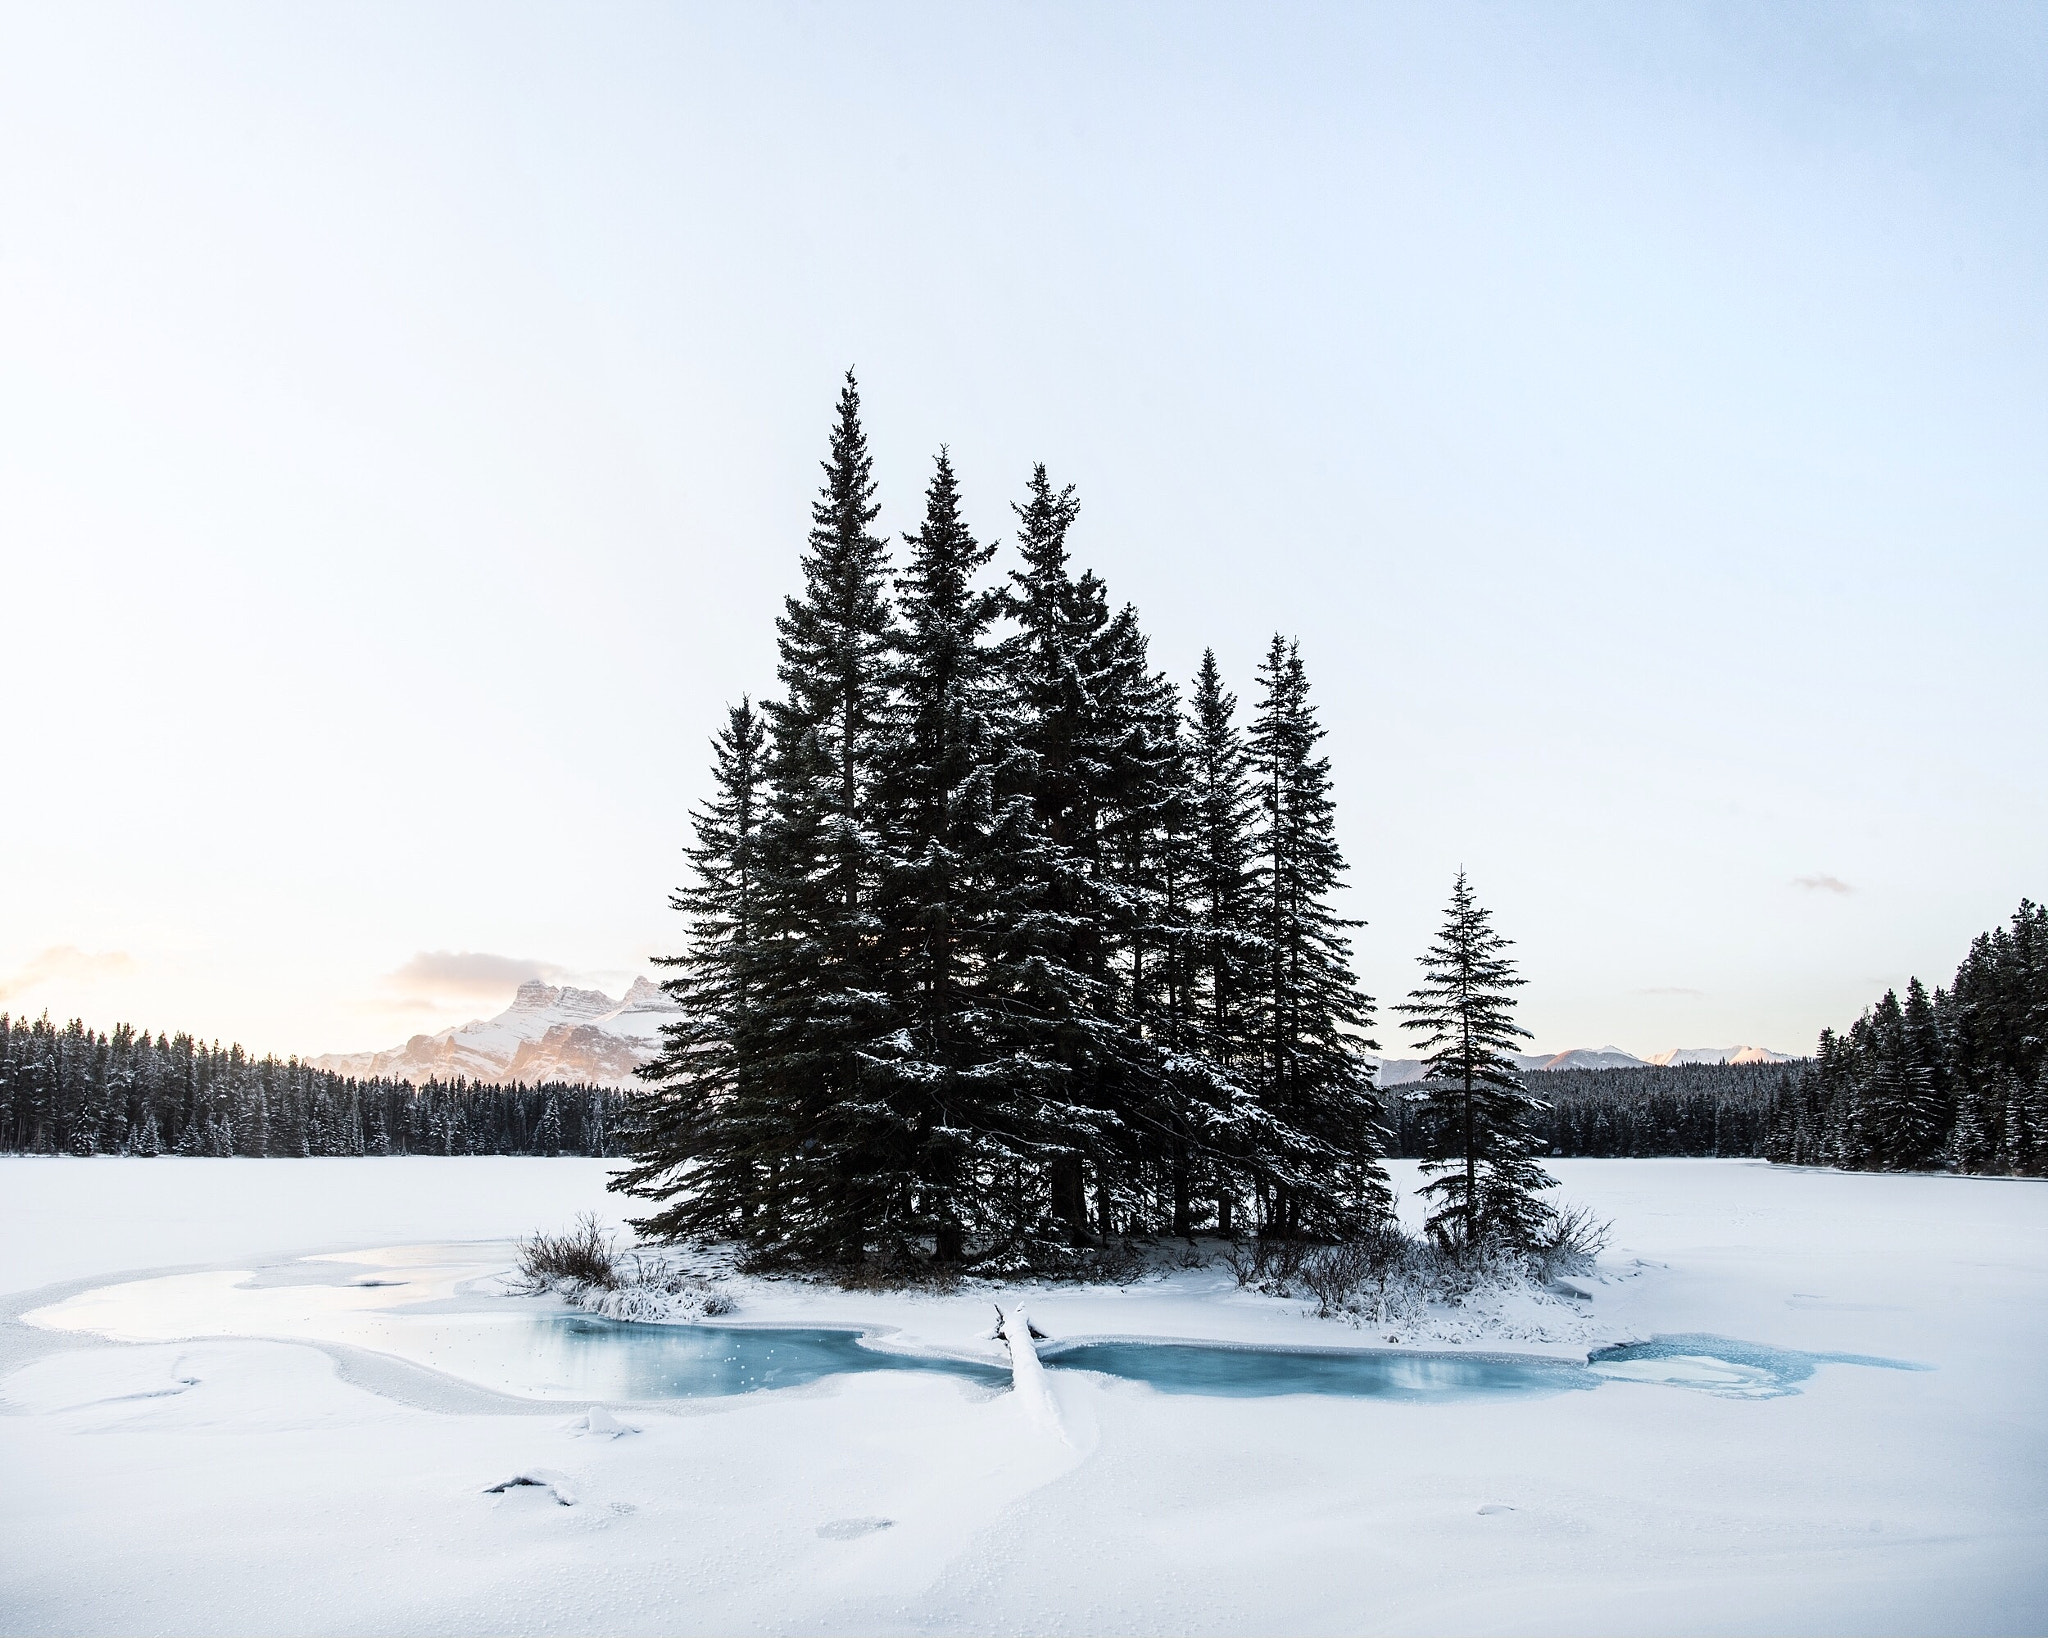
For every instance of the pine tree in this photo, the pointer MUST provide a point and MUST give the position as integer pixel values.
(1053, 663)
(822, 856)
(703, 1135)
(1913, 1118)
(1222, 900)
(1325, 1142)
(799, 1149)
(958, 1074)
(1481, 1150)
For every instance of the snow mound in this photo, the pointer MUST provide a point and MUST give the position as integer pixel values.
(599, 1423)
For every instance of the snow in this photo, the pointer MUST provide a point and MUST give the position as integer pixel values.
(1032, 1387)
(1607, 1057)
(549, 1032)
(239, 1486)
(1721, 1055)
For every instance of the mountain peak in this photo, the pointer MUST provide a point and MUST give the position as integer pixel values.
(548, 1033)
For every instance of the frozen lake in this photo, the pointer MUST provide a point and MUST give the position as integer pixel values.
(1740, 1467)
(444, 1307)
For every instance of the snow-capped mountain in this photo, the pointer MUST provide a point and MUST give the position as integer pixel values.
(549, 1033)
(1722, 1055)
(1607, 1057)
(559, 1033)
(1404, 1071)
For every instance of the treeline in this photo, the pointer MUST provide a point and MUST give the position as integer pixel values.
(1955, 1079)
(1680, 1109)
(1000, 941)
(75, 1091)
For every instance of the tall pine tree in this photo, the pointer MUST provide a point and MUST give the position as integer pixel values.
(1324, 1147)
(962, 1078)
(1481, 1155)
(1222, 902)
(707, 1133)
(1054, 663)
(817, 976)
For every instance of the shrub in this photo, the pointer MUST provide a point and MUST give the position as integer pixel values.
(1267, 1263)
(1571, 1242)
(585, 1254)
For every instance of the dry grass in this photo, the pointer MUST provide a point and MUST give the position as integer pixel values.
(586, 1255)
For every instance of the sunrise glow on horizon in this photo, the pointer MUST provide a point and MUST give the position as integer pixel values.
(410, 423)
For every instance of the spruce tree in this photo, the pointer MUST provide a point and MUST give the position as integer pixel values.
(1053, 662)
(1137, 794)
(1913, 1119)
(1222, 901)
(1324, 1144)
(822, 855)
(706, 1133)
(1481, 1146)
(959, 1073)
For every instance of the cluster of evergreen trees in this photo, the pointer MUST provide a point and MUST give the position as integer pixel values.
(1956, 1079)
(999, 944)
(71, 1090)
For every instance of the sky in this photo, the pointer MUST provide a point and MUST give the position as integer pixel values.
(409, 418)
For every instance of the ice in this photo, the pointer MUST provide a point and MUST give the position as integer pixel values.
(237, 1486)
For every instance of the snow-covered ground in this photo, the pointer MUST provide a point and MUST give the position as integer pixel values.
(239, 1486)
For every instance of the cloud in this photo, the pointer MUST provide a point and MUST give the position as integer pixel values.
(468, 973)
(1822, 884)
(384, 1007)
(69, 962)
(1670, 989)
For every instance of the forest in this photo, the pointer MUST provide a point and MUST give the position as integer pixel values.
(1956, 1078)
(70, 1090)
(1682, 1109)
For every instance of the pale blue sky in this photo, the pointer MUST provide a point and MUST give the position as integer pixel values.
(408, 418)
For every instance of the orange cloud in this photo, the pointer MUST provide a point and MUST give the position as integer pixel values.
(467, 973)
(66, 961)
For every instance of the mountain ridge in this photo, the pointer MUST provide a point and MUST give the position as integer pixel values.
(562, 1033)
(549, 1033)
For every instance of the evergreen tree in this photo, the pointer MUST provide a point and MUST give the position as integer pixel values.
(1054, 663)
(959, 1074)
(706, 1132)
(1906, 1118)
(815, 976)
(1222, 900)
(1481, 1154)
(1325, 1142)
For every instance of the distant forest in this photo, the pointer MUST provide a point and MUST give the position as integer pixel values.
(1955, 1078)
(66, 1089)
(1682, 1109)
(74, 1091)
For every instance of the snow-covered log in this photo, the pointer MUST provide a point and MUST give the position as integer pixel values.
(1027, 1371)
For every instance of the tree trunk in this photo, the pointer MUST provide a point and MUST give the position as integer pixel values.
(1069, 1204)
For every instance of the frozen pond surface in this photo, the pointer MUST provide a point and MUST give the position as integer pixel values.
(242, 1487)
(443, 1307)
